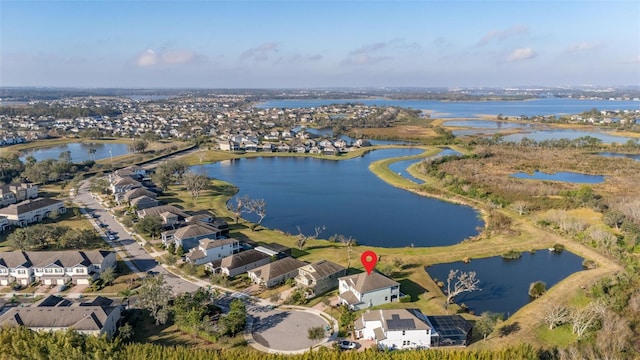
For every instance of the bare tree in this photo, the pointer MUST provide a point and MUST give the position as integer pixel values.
(615, 336)
(195, 183)
(461, 282)
(258, 206)
(301, 239)
(520, 207)
(555, 315)
(240, 206)
(585, 318)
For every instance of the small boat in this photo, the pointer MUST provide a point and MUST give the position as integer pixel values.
(552, 249)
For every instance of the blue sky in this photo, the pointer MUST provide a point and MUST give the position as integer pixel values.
(278, 44)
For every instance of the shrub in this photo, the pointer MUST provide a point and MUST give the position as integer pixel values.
(511, 254)
(558, 247)
(405, 298)
(588, 264)
(537, 289)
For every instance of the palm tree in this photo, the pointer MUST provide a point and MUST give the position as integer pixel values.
(31, 160)
(92, 153)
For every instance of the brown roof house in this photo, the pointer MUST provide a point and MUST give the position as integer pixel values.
(84, 318)
(189, 236)
(364, 290)
(277, 272)
(170, 215)
(242, 262)
(320, 276)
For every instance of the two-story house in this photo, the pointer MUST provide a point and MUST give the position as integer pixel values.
(209, 250)
(170, 215)
(86, 318)
(54, 267)
(242, 262)
(364, 290)
(395, 328)
(15, 193)
(189, 236)
(30, 211)
(320, 276)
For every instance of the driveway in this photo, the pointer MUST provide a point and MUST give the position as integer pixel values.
(285, 331)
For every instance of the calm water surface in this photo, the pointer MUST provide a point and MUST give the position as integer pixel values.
(505, 283)
(79, 151)
(629, 156)
(400, 167)
(347, 198)
(565, 176)
(450, 109)
(571, 134)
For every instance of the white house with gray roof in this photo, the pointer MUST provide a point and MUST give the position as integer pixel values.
(396, 328)
(276, 272)
(189, 236)
(209, 250)
(364, 290)
(54, 267)
(31, 211)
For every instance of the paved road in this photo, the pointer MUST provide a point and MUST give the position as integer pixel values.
(137, 258)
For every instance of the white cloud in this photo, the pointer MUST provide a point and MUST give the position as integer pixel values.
(260, 53)
(521, 54)
(583, 46)
(147, 58)
(502, 34)
(151, 57)
(363, 60)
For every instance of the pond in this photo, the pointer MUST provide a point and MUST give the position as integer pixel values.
(564, 176)
(400, 167)
(505, 283)
(628, 156)
(571, 134)
(79, 151)
(347, 198)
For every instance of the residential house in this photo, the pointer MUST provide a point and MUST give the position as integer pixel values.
(189, 236)
(209, 250)
(450, 330)
(4, 223)
(144, 202)
(395, 328)
(320, 276)
(276, 272)
(364, 290)
(54, 267)
(84, 318)
(171, 216)
(137, 192)
(228, 145)
(208, 218)
(122, 184)
(15, 193)
(242, 262)
(30, 211)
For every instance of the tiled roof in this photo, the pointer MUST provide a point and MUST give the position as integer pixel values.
(364, 282)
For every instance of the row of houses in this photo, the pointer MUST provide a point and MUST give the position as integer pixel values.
(99, 316)
(54, 267)
(29, 211)
(15, 193)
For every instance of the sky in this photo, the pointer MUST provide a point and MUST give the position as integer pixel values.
(315, 44)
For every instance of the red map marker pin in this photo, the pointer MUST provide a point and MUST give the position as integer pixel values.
(369, 260)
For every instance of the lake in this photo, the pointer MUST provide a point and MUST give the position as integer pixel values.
(347, 198)
(505, 283)
(564, 176)
(470, 109)
(571, 134)
(328, 133)
(486, 124)
(79, 151)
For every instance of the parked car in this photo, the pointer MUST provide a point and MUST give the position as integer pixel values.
(347, 345)
(111, 237)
